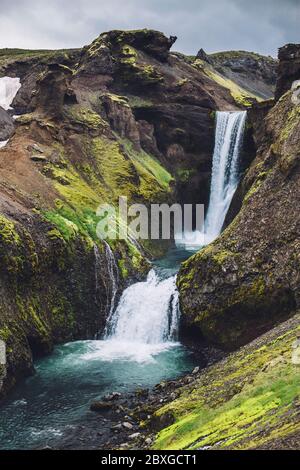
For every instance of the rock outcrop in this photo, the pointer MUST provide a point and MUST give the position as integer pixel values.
(248, 279)
(249, 400)
(6, 125)
(255, 73)
(289, 68)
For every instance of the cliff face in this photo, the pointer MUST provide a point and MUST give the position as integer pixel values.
(255, 73)
(289, 68)
(248, 279)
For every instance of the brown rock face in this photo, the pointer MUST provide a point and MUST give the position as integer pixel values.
(121, 118)
(151, 42)
(253, 72)
(289, 68)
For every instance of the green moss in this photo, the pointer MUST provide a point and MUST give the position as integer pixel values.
(240, 95)
(183, 175)
(254, 188)
(5, 333)
(86, 117)
(123, 269)
(135, 69)
(138, 102)
(182, 82)
(66, 229)
(30, 309)
(221, 256)
(123, 100)
(8, 233)
(241, 403)
(291, 121)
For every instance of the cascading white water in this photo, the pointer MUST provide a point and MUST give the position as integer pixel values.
(147, 312)
(146, 319)
(112, 278)
(225, 170)
(225, 177)
(113, 273)
(144, 324)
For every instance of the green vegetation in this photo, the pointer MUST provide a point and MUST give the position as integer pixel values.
(245, 401)
(240, 95)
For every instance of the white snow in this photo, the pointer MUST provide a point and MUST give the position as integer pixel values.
(9, 87)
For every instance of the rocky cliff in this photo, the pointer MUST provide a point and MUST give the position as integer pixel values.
(122, 116)
(255, 73)
(248, 279)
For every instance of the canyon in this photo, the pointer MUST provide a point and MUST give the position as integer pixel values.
(126, 115)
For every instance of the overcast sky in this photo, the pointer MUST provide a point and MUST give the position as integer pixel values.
(254, 25)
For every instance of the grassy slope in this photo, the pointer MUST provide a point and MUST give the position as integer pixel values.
(246, 401)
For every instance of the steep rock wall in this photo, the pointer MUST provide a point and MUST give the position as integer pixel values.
(248, 279)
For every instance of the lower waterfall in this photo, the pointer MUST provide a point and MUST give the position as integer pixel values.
(132, 320)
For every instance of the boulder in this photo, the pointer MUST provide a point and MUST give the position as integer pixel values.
(152, 42)
(288, 69)
(203, 56)
(100, 406)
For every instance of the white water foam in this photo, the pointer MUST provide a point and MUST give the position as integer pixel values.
(144, 324)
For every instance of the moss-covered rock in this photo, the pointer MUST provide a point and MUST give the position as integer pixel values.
(250, 400)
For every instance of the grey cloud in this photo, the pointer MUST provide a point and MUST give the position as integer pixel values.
(256, 25)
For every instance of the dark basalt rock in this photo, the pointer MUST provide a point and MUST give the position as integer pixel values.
(288, 69)
(203, 56)
(6, 125)
(100, 406)
(154, 43)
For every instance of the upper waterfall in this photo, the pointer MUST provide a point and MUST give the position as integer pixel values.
(230, 126)
(225, 169)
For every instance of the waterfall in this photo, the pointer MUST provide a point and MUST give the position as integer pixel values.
(147, 312)
(112, 278)
(225, 177)
(225, 170)
(113, 275)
